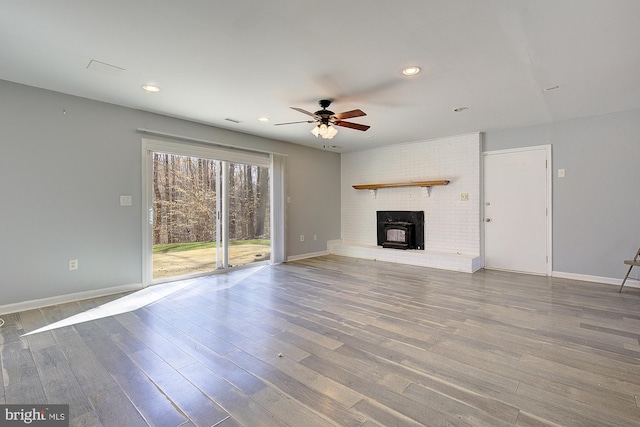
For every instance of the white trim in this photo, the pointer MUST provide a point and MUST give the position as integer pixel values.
(632, 283)
(63, 299)
(549, 151)
(147, 215)
(209, 152)
(305, 256)
(481, 259)
(201, 141)
(548, 156)
(278, 217)
(224, 213)
(518, 150)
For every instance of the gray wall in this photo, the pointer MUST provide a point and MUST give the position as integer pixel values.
(62, 175)
(596, 207)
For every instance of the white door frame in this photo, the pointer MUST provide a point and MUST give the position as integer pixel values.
(549, 201)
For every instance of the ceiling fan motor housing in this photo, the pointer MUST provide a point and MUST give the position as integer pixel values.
(324, 114)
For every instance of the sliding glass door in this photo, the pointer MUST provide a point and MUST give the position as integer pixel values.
(248, 213)
(185, 215)
(205, 212)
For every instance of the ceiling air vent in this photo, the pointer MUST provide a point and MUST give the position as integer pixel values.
(104, 68)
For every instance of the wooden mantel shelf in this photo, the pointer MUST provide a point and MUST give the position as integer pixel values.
(402, 184)
(426, 186)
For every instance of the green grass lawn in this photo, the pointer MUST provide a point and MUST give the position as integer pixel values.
(181, 247)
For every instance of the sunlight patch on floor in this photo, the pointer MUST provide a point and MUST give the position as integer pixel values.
(152, 294)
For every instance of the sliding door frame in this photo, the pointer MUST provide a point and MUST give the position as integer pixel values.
(224, 155)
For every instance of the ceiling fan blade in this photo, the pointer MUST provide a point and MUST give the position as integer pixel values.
(350, 114)
(293, 123)
(356, 126)
(303, 111)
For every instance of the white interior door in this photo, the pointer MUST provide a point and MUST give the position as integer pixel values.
(517, 226)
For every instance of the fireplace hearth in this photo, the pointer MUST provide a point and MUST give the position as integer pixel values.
(401, 229)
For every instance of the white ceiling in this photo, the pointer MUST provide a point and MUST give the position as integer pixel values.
(245, 59)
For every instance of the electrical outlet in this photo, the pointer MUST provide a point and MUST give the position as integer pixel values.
(464, 197)
(73, 264)
(125, 200)
(302, 237)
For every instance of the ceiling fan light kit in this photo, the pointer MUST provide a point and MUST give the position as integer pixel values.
(325, 131)
(326, 118)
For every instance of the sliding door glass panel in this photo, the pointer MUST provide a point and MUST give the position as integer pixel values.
(185, 216)
(206, 209)
(248, 211)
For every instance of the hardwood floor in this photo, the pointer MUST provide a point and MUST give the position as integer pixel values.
(345, 342)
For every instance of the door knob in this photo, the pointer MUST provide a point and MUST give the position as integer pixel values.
(488, 219)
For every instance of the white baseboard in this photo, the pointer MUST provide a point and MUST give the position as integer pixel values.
(632, 283)
(62, 299)
(305, 256)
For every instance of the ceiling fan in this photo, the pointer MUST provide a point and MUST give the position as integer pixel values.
(326, 118)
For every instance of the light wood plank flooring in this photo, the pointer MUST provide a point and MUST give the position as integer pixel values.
(335, 341)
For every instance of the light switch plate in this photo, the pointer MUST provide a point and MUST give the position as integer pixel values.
(125, 200)
(561, 173)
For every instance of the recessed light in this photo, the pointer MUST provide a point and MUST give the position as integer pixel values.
(151, 88)
(263, 119)
(411, 71)
(460, 109)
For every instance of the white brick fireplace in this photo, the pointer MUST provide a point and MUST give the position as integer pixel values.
(452, 212)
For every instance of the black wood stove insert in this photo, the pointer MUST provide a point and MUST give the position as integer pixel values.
(401, 229)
